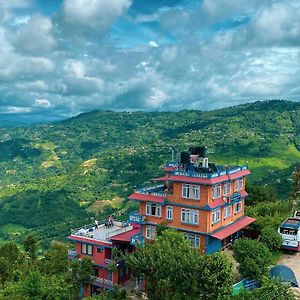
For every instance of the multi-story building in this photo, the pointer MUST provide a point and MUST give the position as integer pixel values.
(202, 200)
(97, 241)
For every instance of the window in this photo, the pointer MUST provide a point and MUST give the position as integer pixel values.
(150, 232)
(216, 216)
(191, 191)
(227, 211)
(238, 207)
(193, 239)
(239, 184)
(216, 191)
(153, 209)
(86, 249)
(100, 250)
(189, 216)
(169, 212)
(226, 188)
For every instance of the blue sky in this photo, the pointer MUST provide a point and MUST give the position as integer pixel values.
(59, 58)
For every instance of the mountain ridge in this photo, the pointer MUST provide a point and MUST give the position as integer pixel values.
(102, 155)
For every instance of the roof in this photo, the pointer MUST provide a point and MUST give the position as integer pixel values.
(284, 274)
(204, 180)
(232, 228)
(125, 236)
(147, 197)
(216, 203)
(244, 194)
(291, 223)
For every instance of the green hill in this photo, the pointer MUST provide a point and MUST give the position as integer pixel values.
(51, 175)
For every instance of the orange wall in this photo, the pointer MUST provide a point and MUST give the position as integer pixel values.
(177, 195)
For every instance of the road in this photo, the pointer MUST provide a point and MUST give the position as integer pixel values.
(292, 260)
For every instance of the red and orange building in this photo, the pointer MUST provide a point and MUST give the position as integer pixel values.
(200, 199)
(204, 201)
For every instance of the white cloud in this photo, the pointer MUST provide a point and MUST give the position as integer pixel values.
(39, 85)
(44, 103)
(15, 110)
(153, 44)
(93, 13)
(35, 37)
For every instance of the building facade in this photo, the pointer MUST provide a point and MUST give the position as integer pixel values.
(204, 201)
(97, 242)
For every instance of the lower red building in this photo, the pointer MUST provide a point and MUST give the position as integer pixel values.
(97, 242)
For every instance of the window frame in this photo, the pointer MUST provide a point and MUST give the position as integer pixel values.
(218, 188)
(190, 191)
(149, 209)
(169, 212)
(226, 214)
(194, 239)
(236, 205)
(87, 249)
(239, 184)
(190, 216)
(216, 216)
(150, 228)
(226, 184)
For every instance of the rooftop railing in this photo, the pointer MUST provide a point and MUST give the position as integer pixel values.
(90, 230)
(210, 175)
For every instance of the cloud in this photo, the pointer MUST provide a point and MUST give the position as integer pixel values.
(44, 103)
(153, 44)
(93, 13)
(35, 37)
(15, 110)
(125, 55)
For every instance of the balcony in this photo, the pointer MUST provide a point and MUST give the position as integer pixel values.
(104, 283)
(157, 190)
(72, 254)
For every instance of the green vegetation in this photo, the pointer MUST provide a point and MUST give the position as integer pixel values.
(174, 270)
(253, 258)
(52, 175)
(271, 238)
(271, 289)
(24, 276)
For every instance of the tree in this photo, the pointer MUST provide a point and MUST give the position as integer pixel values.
(253, 258)
(271, 238)
(173, 269)
(81, 273)
(216, 277)
(56, 259)
(30, 246)
(271, 289)
(33, 285)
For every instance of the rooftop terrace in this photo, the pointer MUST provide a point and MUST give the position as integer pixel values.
(103, 232)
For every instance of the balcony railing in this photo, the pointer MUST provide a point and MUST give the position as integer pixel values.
(157, 190)
(104, 282)
(72, 253)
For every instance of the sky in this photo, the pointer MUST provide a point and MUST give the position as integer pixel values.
(59, 58)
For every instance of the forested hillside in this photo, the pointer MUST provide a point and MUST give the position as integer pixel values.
(54, 176)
